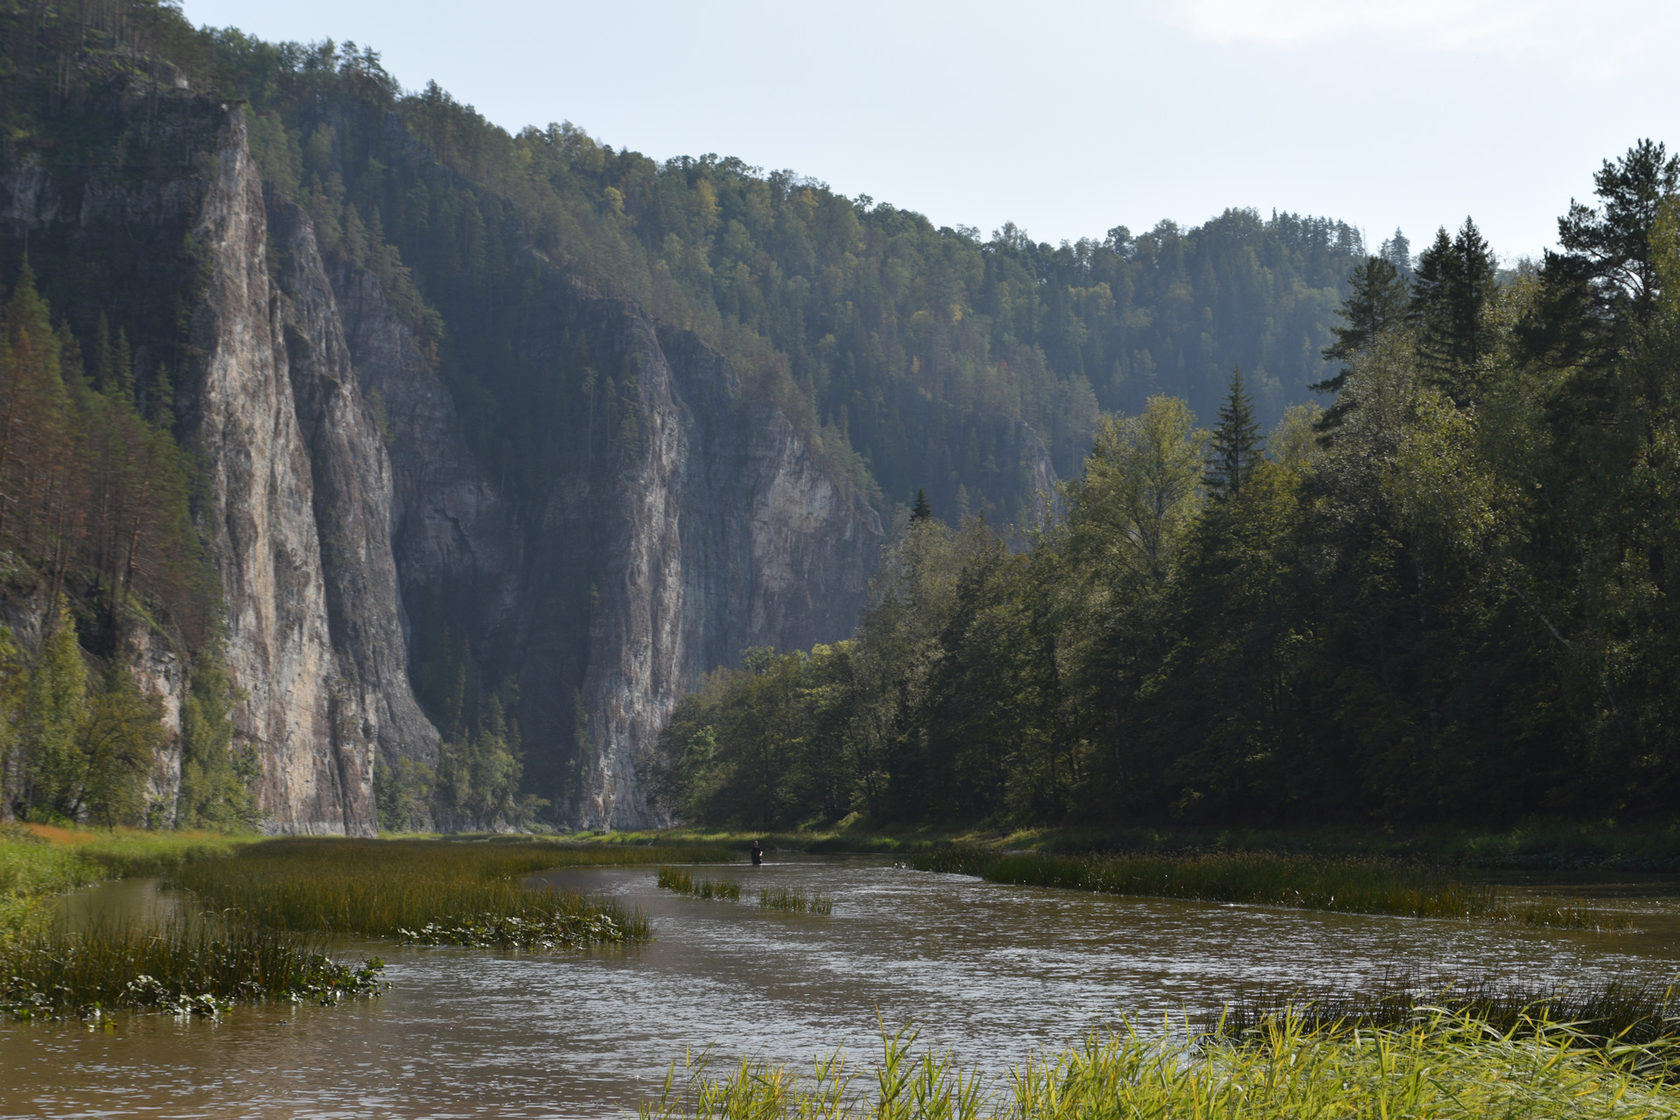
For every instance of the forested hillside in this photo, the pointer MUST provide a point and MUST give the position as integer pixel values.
(906, 357)
(1449, 597)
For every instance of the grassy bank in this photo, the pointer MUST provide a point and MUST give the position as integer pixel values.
(1440, 1066)
(1540, 846)
(430, 891)
(39, 862)
(271, 904)
(198, 966)
(1348, 884)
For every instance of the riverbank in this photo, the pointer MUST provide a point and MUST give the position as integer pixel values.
(263, 911)
(1439, 1066)
(1537, 846)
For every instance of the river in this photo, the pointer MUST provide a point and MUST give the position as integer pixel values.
(992, 972)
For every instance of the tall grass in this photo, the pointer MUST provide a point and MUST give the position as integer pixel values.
(431, 891)
(1352, 884)
(683, 882)
(1444, 1067)
(1614, 1014)
(792, 901)
(198, 966)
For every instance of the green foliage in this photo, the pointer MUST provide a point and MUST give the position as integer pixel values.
(216, 775)
(1456, 604)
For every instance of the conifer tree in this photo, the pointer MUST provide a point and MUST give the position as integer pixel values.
(1452, 287)
(1236, 444)
(921, 511)
(1376, 303)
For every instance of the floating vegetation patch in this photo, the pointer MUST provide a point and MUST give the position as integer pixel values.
(196, 966)
(783, 898)
(1443, 1066)
(682, 882)
(532, 931)
(1354, 885)
(430, 891)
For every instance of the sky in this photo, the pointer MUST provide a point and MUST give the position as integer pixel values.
(1068, 118)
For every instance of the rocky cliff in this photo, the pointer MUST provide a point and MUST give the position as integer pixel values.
(340, 489)
(298, 512)
(714, 527)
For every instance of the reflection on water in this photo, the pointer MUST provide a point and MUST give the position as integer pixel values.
(993, 972)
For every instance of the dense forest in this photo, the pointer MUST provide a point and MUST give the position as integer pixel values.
(1450, 595)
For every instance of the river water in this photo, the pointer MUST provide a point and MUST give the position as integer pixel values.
(993, 973)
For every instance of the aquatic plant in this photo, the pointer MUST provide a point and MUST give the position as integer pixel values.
(1352, 884)
(785, 898)
(682, 882)
(199, 966)
(432, 891)
(1442, 1066)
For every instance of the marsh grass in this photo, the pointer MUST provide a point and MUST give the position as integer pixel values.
(199, 966)
(792, 901)
(1347, 884)
(682, 882)
(1636, 1018)
(1441, 1066)
(428, 891)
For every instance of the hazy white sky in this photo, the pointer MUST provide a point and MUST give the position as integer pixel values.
(1069, 118)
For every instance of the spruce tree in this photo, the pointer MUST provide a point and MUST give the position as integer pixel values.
(921, 511)
(1236, 444)
(1454, 282)
(1376, 303)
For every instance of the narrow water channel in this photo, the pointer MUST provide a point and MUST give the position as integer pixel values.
(993, 973)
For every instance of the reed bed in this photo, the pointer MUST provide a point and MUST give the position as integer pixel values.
(683, 882)
(1445, 1067)
(197, 966)
(1355, 885)
(792, 901)
(426, 891)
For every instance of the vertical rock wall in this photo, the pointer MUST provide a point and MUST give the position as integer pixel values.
(297, 516)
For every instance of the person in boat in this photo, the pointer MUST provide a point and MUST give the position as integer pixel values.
(757, 853)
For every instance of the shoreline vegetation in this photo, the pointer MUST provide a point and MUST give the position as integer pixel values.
(1436, 1063)
(1554, 846)
(267, 911)
(1336, 884)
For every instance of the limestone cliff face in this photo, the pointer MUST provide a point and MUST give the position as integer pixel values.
(297, 516)
(714, 529)
(341, 494)
(736, 535)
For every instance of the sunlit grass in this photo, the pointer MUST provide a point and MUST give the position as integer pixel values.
(1611, 1014)
(1353, 884)
(1441, 1066)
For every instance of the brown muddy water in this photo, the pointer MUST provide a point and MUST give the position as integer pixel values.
(991, 972)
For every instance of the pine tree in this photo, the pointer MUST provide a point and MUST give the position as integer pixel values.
(1236, 444)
